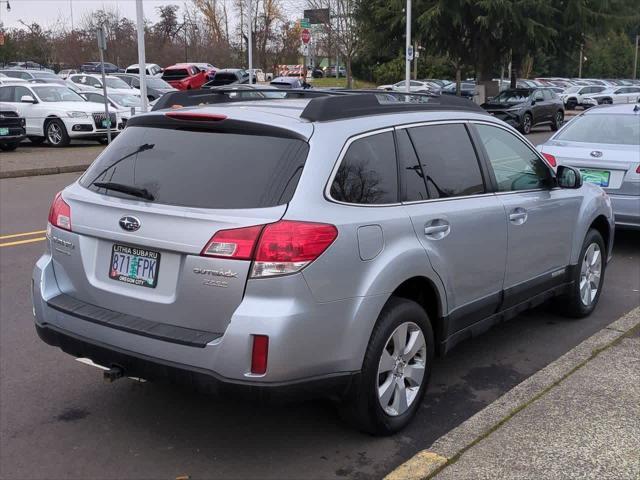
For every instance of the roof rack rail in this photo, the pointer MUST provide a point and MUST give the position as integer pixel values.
(371, 102)
(216, 95)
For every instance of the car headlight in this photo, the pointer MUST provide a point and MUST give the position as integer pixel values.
(77, 114)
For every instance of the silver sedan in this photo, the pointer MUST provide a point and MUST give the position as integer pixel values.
(604, 143)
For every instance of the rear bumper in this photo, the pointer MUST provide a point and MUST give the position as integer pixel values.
(309, 341)
(626, 210)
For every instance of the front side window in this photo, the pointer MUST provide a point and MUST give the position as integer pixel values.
(368, 173)
(515, 165)
(448, 160)
(6, 94)
(20, 92)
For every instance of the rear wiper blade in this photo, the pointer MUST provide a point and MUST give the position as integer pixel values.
(128, 189)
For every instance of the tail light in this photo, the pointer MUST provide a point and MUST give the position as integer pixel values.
(551, 160)
(638, 169)
(279, 248)
(259, 354)
(60, 213)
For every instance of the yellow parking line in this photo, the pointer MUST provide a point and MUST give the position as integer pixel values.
(25, 234)
(21, 242)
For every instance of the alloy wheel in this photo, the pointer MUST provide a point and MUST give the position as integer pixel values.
(559, 119)
(54, 134)
(401, 369)
(526, 127)
(590, 274)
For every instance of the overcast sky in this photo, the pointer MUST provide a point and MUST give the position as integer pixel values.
(52, 12)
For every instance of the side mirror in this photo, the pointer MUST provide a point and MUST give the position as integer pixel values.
(568, 177)
(27, 99)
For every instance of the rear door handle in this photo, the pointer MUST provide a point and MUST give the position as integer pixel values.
(518, 216)
(437, 229)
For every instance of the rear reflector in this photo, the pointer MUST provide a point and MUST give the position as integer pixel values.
(551, 160)
(60, 213)
(259, 354)
(197, 116)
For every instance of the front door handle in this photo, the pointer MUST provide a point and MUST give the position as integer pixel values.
(437, 229)
(518, 216)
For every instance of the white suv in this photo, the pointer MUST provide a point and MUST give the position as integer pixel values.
(57, 114)
(114, 84)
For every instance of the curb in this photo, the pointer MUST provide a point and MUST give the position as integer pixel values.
(31, 172)
(448, 448)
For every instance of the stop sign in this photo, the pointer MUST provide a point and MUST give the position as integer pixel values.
(305, 36)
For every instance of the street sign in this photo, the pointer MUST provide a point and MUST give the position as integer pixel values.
(304, 23)
(410, 52)
(317, 16)
(305, 36)
(102, 40)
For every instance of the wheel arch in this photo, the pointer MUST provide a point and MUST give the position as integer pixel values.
(601, 224)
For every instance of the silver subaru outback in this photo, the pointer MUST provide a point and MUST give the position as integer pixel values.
(328, 243)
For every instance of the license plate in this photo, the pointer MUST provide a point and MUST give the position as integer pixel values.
(4, 131)
(134, 265)
(597, 177)
(106, 123)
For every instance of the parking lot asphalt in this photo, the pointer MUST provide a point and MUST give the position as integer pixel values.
(58, 420)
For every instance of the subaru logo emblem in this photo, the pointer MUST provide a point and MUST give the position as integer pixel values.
(596, 154)
(129, 223)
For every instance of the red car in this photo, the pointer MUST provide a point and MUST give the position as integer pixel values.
(184, 76)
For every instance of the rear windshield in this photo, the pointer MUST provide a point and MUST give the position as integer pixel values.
(603, 128)
(201, 169)
(176, 74)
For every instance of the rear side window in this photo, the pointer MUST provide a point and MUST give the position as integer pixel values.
(201, 169)
(368, 173)
(448, 160)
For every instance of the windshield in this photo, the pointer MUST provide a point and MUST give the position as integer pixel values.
(57, 94)
(201, 169)
(116, 83)
(573, 89)
(511, 96)
(157, 83)
(603, 128)
(126, 100)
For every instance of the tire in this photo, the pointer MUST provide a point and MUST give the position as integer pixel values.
(527, 124)
(575, 303)
(558, 120)
(56, 133)
(37, 140)
(606, 101)
(362, 406)
(572, 104)
(8, 147)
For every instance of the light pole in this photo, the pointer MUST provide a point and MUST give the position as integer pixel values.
(407, 61)
(8, 7)
(250, 44)
(142, 61)
(635, 59)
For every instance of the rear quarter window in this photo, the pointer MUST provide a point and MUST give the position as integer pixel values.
(202, 169)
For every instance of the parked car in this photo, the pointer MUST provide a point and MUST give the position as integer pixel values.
(156, 87)
(604, 143)
(151, 69)
(330, 71)
(209, 69)
(12, 127)
(317, 72)
(467, 89)
(96, 67)
(525, 108)
(341, 245)
(127, 105)
(414, 86)
(30, 75)
(29, 65)
(184, 76)
(4, 80)
(612, 95)
(113, 83)
(228, 76)
(57, 114)
(51, 81)
(572, 96)
(289, 82)
(64, 74)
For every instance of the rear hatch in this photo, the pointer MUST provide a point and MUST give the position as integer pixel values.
(142, 256)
